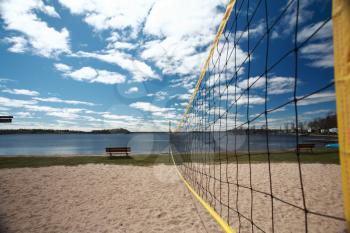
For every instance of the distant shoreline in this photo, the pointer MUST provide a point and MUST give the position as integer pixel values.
(63, 131)
(125, 131)
(66, 131)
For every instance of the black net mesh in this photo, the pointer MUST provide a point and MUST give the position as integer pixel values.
(242, 143)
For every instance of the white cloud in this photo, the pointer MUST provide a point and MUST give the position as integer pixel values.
(319, 49)
(83, 74)
(66, 113)
(186, 96)
(132, 90)
(325, 31)
(72, 118)
(139, 70)
(4, 108)
(24, 115)
(160, 95)
(91, 75)
(253, 100)
(183, 50)
(320, 54)
(148, 107)
(58, 100)
(21, 92)
(133, 123)
(317, 112)
(317, 98)
(280, 85)
(63, 113)
(281, 109)
(121, 45)
(37, 36)
(304, 14)
(275, 84)
(15, 103)
(180, 57)
(62, 67)
(5, 80)
(118, 117)
(187, 81)
(19, 44)
(108, 77)
(155, 110)
(176, 55)
(138, 124)
(256, 31)
(174, 49)
(49, 10)
(254, 82)
(107, 14)
(199, 16)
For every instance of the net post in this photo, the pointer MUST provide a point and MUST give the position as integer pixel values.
(341, 44)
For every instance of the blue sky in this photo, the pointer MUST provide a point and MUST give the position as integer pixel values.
(91, 64)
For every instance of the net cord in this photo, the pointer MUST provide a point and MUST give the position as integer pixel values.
(206, 64)
(222, 223)
(205, 93)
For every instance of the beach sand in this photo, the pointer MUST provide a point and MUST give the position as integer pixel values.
(118, 198)
(322, 194)
(98, 198)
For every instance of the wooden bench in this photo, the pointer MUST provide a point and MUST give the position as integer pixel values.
(118, 150)
(307, 146)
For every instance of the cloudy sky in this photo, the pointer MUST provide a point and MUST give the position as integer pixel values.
(91, 64)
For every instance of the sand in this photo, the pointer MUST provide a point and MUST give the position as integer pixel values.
(322, 191)
(118, 198)
(98, 198)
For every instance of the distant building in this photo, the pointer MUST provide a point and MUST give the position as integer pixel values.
(333, 130)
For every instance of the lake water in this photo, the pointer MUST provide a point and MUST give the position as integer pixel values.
(140, 143)
(81, 144)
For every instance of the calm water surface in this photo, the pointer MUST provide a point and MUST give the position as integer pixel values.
(81, 144)
(140, 143)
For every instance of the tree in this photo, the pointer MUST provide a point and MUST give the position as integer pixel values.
(301, 127)
(328, 122)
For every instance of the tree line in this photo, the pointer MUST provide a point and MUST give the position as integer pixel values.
(65, 131)
(328, 122)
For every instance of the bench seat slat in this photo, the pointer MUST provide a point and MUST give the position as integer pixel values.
(306, 145)
(118, 149)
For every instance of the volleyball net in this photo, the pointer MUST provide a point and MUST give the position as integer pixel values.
(256, 121)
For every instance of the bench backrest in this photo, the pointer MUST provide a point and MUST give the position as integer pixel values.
(118, 149)
(306, 145)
